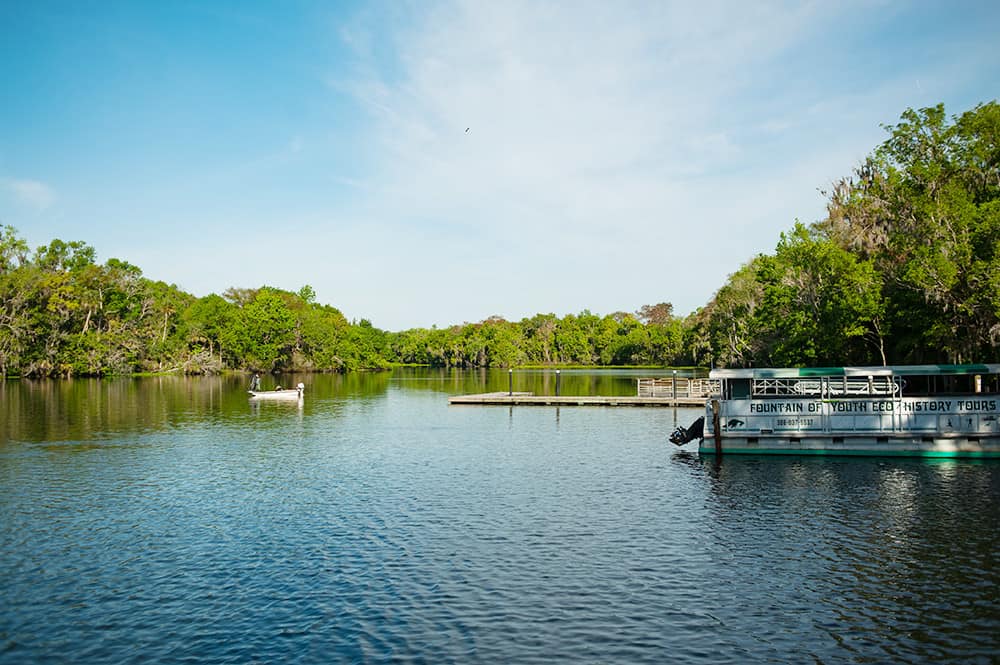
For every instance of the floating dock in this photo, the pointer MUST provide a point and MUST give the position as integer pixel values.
(531, 399)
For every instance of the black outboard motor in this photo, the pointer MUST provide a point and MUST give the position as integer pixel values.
(681, 436)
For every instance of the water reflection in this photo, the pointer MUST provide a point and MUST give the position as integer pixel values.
(375, 522)
(873, 546)
(688, 458)
(80, 409)
(89, 409)
(263, 408)
(610, 382)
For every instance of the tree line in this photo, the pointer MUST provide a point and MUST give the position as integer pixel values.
(63, 314)
(905, 268)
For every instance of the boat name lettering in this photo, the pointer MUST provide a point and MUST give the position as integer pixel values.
(776, 407)
(977, 404)
(844, 407)
(878, 406)
(939, 405)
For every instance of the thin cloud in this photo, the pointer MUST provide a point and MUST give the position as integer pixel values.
(605, 132)
(30, 193)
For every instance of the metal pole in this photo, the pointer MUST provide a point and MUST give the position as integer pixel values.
(557, 383)
(510, 383)
(674, 384)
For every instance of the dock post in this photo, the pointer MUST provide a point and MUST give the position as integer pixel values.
(510, 383)
(673, 384)
(716, 428)
(557, 383)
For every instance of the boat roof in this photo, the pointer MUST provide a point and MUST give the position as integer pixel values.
(878, 370)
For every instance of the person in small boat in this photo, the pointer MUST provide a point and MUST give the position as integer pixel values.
(255, 381)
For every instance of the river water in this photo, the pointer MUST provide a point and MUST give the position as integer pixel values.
(169, 520)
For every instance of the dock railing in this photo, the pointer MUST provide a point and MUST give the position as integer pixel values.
(684, 387)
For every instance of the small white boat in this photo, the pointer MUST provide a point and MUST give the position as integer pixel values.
(291, 394)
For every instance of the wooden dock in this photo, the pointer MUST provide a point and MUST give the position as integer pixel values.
(531, 399)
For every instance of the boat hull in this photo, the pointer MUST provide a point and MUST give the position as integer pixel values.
(286, 395)
(833, 444)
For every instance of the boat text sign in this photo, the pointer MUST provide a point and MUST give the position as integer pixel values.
(959, 414)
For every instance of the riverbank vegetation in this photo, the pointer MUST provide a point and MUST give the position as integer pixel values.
(905, 268)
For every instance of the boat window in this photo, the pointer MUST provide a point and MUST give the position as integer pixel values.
(952, 384)
(739, 388)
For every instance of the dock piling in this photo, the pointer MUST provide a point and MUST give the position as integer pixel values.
(716, 428)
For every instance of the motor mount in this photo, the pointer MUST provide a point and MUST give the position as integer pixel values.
(680, 436)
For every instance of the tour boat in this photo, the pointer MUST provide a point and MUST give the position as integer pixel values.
(291, 394)
(917, 410)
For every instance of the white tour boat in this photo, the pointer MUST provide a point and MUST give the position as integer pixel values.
(919, 410)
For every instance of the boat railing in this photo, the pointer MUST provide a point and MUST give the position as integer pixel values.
(883, 385)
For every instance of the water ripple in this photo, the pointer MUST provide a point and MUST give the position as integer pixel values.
(404, 531)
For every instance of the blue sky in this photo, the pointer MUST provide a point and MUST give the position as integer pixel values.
(617, 154)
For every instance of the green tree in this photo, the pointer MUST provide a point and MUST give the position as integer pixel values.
(924, 206)
(539, 335)
(732, 318)
(13, 250)
(17, 286)
(262, 334)
(573, 339)
(503, 342)
(205, 321)
(818, 300)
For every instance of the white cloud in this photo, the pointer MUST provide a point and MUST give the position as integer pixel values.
(31, 193)
(616, 155)
(602, 138)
